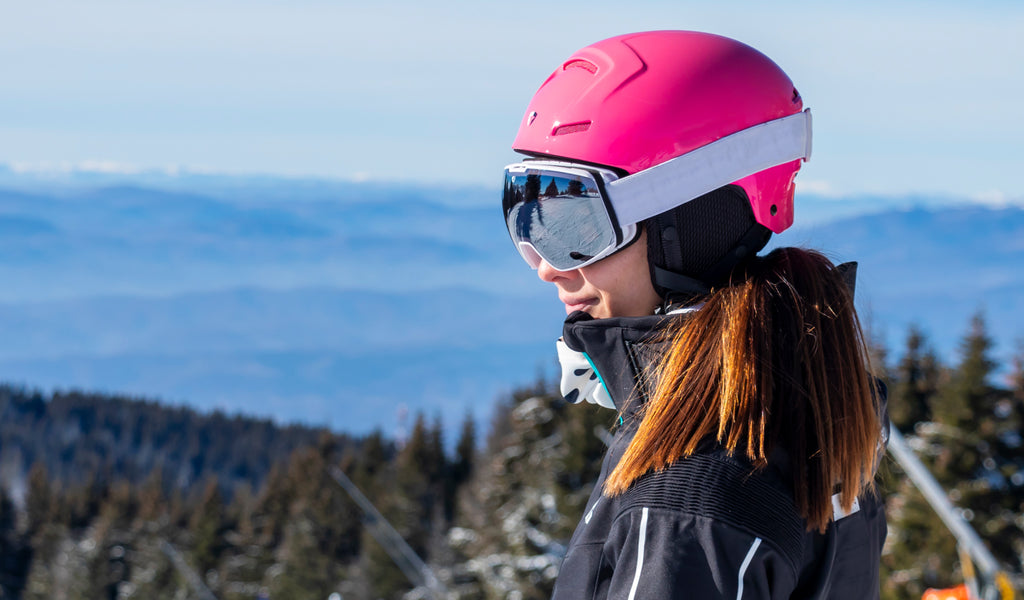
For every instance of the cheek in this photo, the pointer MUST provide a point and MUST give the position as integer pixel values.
(637, 298)
(625, 292)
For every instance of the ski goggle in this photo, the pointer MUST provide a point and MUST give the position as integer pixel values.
(572, 215)
(558, 212)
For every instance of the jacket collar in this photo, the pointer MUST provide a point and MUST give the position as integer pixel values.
(621, 349)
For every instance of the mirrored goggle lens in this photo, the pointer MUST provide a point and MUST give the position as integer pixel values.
(562, 217)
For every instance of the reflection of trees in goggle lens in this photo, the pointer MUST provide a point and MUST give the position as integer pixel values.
(552, 190)
(532, 187)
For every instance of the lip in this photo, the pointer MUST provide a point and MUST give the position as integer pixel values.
(574, 304)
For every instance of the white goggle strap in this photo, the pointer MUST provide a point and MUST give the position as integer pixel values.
(658, 189)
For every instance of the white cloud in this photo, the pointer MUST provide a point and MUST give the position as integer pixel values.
(997, 199)
(818, 187)
(108, 167)
(97, 166)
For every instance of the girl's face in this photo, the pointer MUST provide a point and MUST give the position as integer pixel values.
(617, 286)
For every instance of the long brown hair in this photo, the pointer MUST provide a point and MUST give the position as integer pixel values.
(776, 358)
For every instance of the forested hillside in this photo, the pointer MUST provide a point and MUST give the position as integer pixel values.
(110, 497)
(119, 498)
(75, 435)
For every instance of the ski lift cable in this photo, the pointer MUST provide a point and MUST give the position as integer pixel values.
(393, 543)
(186, 571)
(995, 582)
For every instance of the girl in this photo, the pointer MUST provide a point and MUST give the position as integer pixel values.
(659, 165)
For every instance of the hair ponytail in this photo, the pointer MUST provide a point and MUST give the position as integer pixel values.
(776, 359)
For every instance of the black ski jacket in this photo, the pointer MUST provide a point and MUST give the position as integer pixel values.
(708, 526)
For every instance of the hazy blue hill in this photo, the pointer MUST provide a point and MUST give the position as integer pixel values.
(311, 354)
(934, 268)
(248, 319)
(74, 243)
(301, 308)
(982, 237)
(24, 226)
(353, 391)
(335, 302)
(814, 210)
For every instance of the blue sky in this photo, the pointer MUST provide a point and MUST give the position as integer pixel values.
(908, 97)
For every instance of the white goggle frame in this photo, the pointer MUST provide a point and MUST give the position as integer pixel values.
(653, 191)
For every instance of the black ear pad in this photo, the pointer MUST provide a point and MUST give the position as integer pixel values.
(693, 247)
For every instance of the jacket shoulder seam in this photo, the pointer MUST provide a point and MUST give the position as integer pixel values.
(724, 491)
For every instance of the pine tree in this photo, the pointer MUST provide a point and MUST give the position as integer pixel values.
(45, 529)
(8, 518)
(465, 450)
(272, 507)
(374, 457)
(968, 402)
(1014, 442)
(968, 449)
(524, 498)
(306, 570)
(14, 552)
(878, 355)
(39, 502)
(964, 411)
(393, 494)
(916, 383)
(1017, 376)
(463, 464)
(414, 509)
(1004, 470)
(322, 522)
(81, 503)
(206, 527)
(920, 552)
(152, 498)
(381, 577)
(434, 461)
(121, 506)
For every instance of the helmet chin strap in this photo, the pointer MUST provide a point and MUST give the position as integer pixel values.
(678, 284)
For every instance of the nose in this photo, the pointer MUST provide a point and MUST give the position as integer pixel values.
(549, 274)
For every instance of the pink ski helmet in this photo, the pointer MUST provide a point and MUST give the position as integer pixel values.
(635, 101)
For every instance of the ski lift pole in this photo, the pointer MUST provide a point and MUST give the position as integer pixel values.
(995, 580)
(186, 571)
(393, 543)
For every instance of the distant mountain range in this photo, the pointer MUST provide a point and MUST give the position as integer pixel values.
(934, 267)
(336, 303)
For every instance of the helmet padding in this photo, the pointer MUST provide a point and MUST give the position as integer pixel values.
(695, 246)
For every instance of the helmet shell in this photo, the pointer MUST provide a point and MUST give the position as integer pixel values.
(637, 100)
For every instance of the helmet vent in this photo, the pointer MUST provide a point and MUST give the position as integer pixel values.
(579, 63)
(571, 128)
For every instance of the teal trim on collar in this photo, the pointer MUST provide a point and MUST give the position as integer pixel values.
(599, 378)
